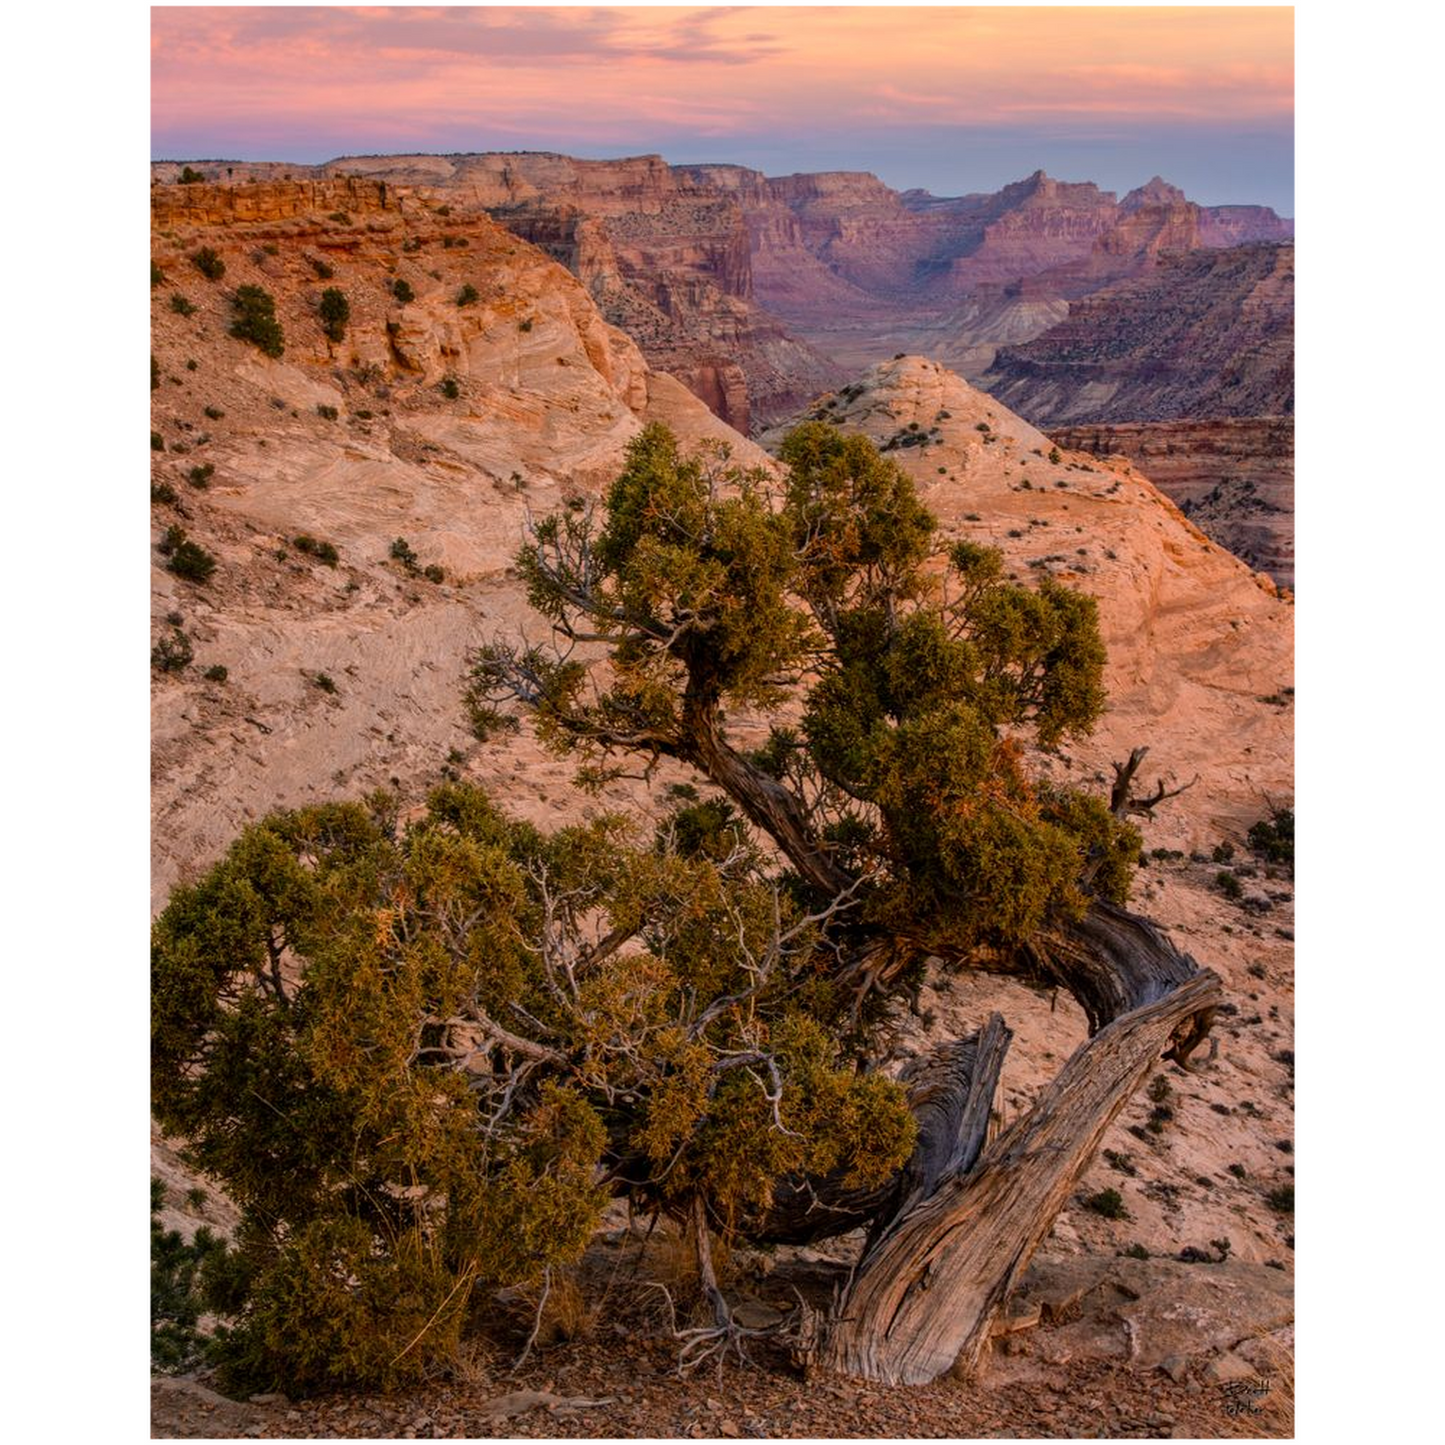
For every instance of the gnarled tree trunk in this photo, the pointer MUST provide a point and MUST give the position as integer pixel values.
(928, 1287)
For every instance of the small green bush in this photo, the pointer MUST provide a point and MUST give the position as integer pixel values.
(155, 375)
(200, 477)
(190, 177)
(450, 389)
(433, 573)
(214, 413)
(1281, 1199)
(208, 263)
(173, 653)
(164, 493)
(158, 442)
(335, 313)
(215, 673)
(1228, 884)
(525, 325)
(158, 276)
(185, 558)
(255, 320)
(1107, 1202)
(468, 295)
(326, 413)
(324, 682)
(1272, 838)
(321, 551)
(401, 289)
(177, 1298)
(323, 271)
(401, 551)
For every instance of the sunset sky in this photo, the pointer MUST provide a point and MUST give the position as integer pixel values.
(951, 99)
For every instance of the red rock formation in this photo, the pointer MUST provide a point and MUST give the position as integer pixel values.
(1232, 477)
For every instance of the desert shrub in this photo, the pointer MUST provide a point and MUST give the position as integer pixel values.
(468, 295)
(1055, 456)
(386, 1171)
(1228, 884)
(155, 377)
(433, 573)
(340, 217)
(324, 681)
(158, 442)
(208, 263)
(200, 477)
(324, 272)
(321, 551)
(214, 413)
(525, 325)
(255, 320)
(173, 653)
(326, 413)
(164, 494)
(400, 551)
(1107, 1202)
(185, 558)
(450, 389)
(190, 177)
(216, 673)
(177, 1295)
(1272, 838)
(1134, 1251)
(401, 289)
(158, 276)
(335, 312)
(1281, 1199)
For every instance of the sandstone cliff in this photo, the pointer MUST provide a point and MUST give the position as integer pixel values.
(357, 444)
(1232, 477)
(1189, 371)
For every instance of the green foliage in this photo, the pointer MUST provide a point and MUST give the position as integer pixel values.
(362, 1031)
(1107, 1202)
(322, 551)
(324, 272)
(177, 1297)
(468, 295)
(189, 177)
(155, 386)
(255, 320)
(1272, 838)
(200, 476)
(180, 305)
(326, 413)
(173, 653)
(208, 263)
(185, 558)
(217, 672)
(335, 312)
(164, 493)
(158, 442)
(1228, 884)
(401, 551)
(450, 389)
(158, 276)
(401, 289)
(1281, 1199)
(917, 691)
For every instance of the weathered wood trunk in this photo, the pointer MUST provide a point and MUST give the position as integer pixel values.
(929, 1285)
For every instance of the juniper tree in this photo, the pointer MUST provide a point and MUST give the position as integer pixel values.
(421, 1058)
(905, 683)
